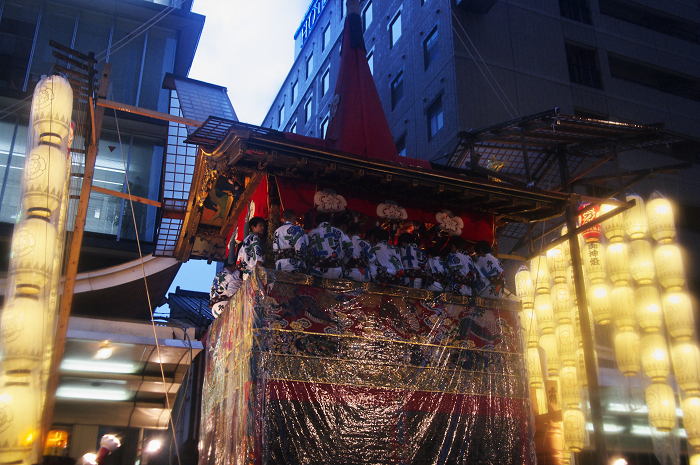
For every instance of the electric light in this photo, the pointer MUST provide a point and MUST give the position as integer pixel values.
(618, 263)
(669, 267)
(654, 356)
(570, 388)
(678, 313)
(660, 215)
(636, 224)
(19, 410)
(599, 300)
(90, 458)
(566, 344)
(557, 263)
(534, 367)
(622, 302)
(627, 349)
(594, 261)
(661, 402)
(523, 287)
(694, 459)
(686, 365)
(691, 420)
(574, 426)
(540, 271)
(104, 352)
(549, 345)
(543, 310)
(72, 392)
(52, 105)
(33, 249)
(43, 179)
(618, 461)
(614, 228)
(153, 445)
(647, 307)
(641, 261)
(561, 302)
(21, 342)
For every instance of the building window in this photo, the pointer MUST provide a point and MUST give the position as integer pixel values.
(342, 9)
(326, 37)
(397, 89)
(293, 128)
(664, 80)
(367, 16)
(395, 29)
(422, 2)
(294, 91)
(324, 127)
(430, 47)
(578, 10)
(401, 145)
(435, 120)
(309, 65)
(281, 115)
(370, 61)
(326, 81)
(307, 110)
(583, 66)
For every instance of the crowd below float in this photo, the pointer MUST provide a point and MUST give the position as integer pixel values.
(336, 248)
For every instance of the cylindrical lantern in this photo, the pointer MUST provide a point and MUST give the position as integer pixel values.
(543, 310)
(528, 320)
(691, 420)
(593, 233)
(534, 367)
(33, 249)
(641, 261)
(669, 267)
(694, 459)
(654, 356)
(549, 344)
(636, 225)
(566, 344)
(622, 301)
(594, 261)
(678, 313)
(627, 349)
(660, 215)
(570, 388)
(614, 228)
(618, 263)
(577, 324)
(43, 179)
(574, 425)
(565, 247)
(686, 365)
(647, 306)
(524, 288)
(599, 300)
(557, 263)
(52, 105)
(581, 358)
(21, 341)
(19, 411)
(540, 273)
(662, 406)
(561, 302)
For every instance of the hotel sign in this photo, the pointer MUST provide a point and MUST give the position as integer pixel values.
(312, 14)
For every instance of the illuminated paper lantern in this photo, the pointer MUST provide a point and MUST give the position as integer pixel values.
(581, 366)
(614, 228)
(618, 263)
(523, 287)
(19, 411)
(654, 356)
(669, 267)
(549, 344)
(694, 459)
(21, 341)
(52, 105)
(575, 318)
(570, 388)
(678, 313)
(544, 313)
(566, 344)
(594, 262)
(528, 320)
(43, 179)
(540, 272)
(660, 216)
(647, 306)
(623, 307)
(599, 300)
(557, 263)
(566, 248)
(627, 353)
(686, 365)
(561, 302)
(636, 224)
(593, 233)
(574, 426)
(534, 367)
(691, 420)
(641, 261)
(32, 256)
(661, 403)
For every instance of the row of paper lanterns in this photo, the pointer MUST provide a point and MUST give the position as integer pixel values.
(26, 318)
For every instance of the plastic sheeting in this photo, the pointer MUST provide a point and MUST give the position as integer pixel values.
(301, 370)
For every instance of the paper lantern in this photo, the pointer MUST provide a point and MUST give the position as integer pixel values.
(566, 344)
(540, 272)
(678, 313)
(33, 249)
(549, 344)
(654, 356)
(627, 353)
(523, 287)
(570, 388)
(691, 420)
(647, 308)
(641, 261)
(614, 228)
(622, 302)
(599, 300)
(557, 263)
(694, 459)
(669, 267)
(19, 411)
(561, 302)
(566, 248)
(594, 262)
(661, 403)
(528, 320)
(544, 313)
(660, 216)
(21, 338)
(581, 365)
(576, 320)
(52, 105)
(574, 425)
(618, 263)
(534, 367)
(686, 365)
(636, 225)
(43, 179)
(593, 233)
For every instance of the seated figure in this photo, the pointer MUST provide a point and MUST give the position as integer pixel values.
(358, 265)
(290, 245)
(491, 275)
(387, 258)
(326, 249)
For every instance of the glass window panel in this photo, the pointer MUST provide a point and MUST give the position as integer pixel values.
(160, 59)
(395, 29)
(430, 47)
(367, 16)
(126, 61)
(17, 27)
(57, 23)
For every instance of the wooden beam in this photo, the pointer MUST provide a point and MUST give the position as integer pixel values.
(243, 201)
(101, 102)
(122, 195)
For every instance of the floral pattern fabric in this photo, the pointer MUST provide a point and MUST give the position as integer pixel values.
(492, 276)
(326, 251)
(290, 244)
(387, 258)
(360, 265)
(249, 255)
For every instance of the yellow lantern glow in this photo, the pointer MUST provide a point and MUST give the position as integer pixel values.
(540, 272)
(614, 228)
(581, 367)
(599, 300)
(566, 344)
(641, 261)
(561, 302)
(21, 342)
(636, 225)
(660, 215)
(43, 179)
(622, 302)
(524, 288)
(669, 267)
(694, 459)
(557, 263)
(33, 249)
(549, 344)
(691, 420)
(543, 310)
(534, 367)
(19, 410)
(52, 106)
(577, 324)
(661, 402)
(618, 264)
(627, 353)
(678, 313)
(574, 425)
(654, 356)
(566, 248)
(647, 307)
(686, 365)
(570, 388)
(594, 261)
(528, 320)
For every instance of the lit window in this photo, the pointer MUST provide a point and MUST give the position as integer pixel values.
(395, 29)
(294, 91)
(435, 120)
(401, 146)
(326, 81)
(326, 37)
(342, 9)
(367, 16)
(397, 89)
(324, 127)
(281, 115)
(370, 61)
(293, 128)
(307, 110)
(309, 65)
(430, 47)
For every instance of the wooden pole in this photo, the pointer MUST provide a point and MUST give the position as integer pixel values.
(72, 266)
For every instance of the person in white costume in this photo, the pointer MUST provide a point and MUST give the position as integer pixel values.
(358, 267)
(387, 257)
(326, 249)
(290, 245)
(490, 270)
(250, 252)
